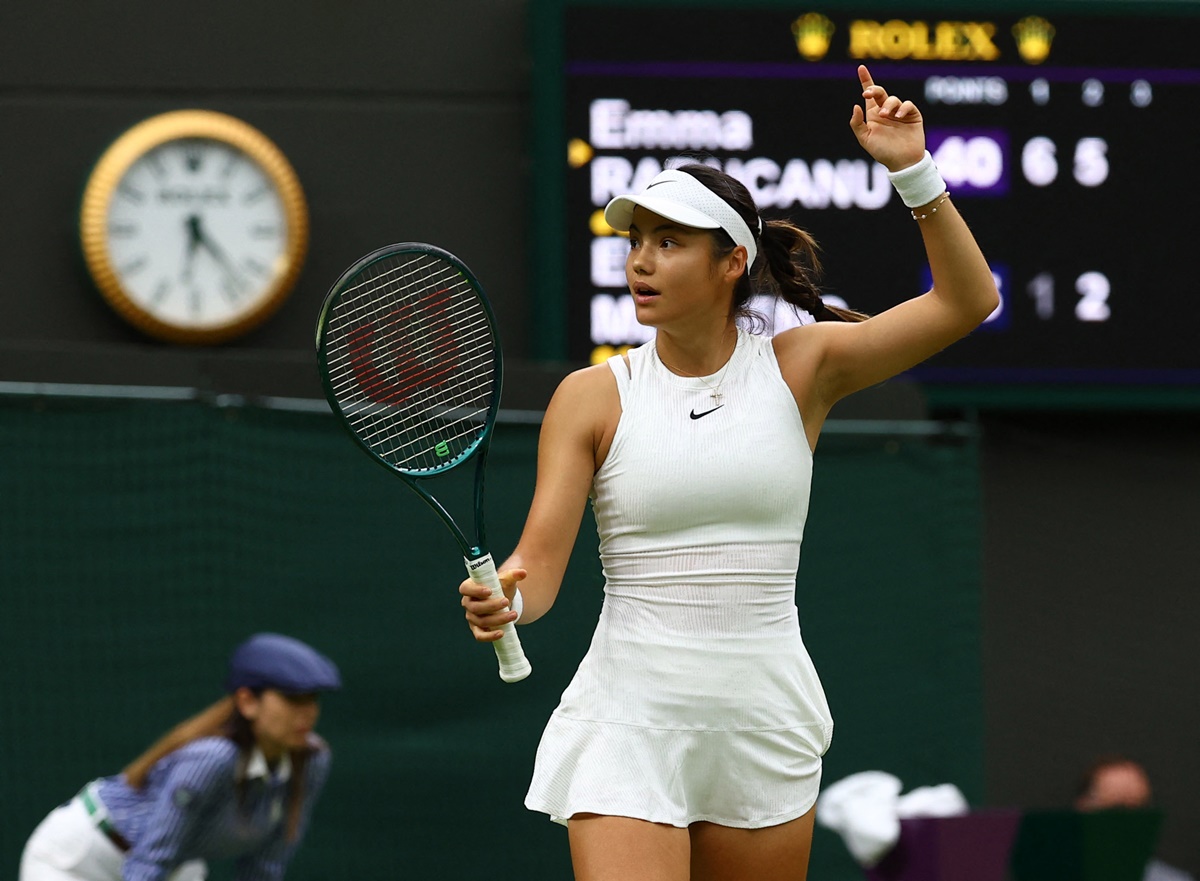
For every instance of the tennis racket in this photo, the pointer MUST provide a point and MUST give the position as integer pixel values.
(411, 363)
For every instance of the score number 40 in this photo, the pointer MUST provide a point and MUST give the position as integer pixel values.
(978, 161)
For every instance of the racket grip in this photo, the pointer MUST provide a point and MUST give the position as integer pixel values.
(513, 664)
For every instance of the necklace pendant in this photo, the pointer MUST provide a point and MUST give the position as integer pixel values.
(716, 396)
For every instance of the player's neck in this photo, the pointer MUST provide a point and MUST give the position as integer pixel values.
(696, 355)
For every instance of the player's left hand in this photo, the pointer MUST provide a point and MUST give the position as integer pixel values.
(889, 129)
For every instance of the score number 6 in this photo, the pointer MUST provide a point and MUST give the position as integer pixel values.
(1039, 161)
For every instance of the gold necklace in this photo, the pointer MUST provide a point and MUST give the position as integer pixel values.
(713, 390)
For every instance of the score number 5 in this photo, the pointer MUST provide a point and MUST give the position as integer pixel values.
(1039, 161)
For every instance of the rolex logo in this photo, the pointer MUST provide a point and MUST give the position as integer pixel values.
(812, 32)
(1034, 35)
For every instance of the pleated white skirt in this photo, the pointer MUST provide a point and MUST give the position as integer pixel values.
(668, 727)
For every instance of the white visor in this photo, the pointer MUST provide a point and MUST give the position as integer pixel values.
(678, 196)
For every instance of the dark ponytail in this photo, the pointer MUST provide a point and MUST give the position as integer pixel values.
(788, 266)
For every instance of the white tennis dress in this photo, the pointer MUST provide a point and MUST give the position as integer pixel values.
(697, 699)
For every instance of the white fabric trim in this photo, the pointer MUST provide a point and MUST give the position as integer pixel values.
(678, 196)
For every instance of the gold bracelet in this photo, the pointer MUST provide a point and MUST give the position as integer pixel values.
(933, 210)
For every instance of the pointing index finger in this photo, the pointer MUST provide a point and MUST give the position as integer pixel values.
(870, 91)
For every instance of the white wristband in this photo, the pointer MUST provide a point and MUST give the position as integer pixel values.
(517, 604)
(918, 184)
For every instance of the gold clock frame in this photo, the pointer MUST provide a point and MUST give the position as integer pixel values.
(148, 135)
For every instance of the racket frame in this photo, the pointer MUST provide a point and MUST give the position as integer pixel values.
(480, 566)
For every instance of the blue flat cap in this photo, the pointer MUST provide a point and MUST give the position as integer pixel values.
(271, 660)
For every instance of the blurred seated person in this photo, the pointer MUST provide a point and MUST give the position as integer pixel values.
(1119, 782)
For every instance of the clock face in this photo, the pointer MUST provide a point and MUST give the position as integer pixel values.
(197, 233)
(194, 233)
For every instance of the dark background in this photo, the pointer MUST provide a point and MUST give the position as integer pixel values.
(1067, 610)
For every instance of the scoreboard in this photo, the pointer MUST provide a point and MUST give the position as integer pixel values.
(1068, 137)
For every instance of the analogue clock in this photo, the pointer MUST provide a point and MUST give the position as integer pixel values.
(194, 226)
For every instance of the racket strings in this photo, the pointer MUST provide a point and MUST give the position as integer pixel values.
(410, 351)
(430, 358)
(398, 378)
(414, 444)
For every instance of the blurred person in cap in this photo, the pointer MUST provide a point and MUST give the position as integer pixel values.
(238, 781)
(1116, 782)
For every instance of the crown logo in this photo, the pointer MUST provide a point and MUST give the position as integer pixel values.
(812, 32)
(1034, 36)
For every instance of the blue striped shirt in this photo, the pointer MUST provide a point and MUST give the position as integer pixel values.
(189, 809)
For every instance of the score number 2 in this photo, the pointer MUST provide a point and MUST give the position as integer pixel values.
(1093, 289)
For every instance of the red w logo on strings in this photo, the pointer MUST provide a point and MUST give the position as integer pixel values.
(410, 350)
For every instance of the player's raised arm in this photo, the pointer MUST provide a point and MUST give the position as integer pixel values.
(891, 130)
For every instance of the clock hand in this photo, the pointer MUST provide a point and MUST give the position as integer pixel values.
(194, 238)
(218, 254)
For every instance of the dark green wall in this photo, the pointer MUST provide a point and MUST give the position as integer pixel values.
(141, 541)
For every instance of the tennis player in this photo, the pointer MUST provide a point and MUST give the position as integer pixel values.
(237, 781)
(689, 743)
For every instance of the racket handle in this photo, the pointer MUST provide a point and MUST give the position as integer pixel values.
(513, 665)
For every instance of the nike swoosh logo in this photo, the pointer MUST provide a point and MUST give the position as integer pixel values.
(696, 415)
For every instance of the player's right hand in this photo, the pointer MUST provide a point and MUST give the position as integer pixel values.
(890, 130)
(487, 614)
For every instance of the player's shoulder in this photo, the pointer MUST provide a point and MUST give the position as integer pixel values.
(801, 335)
(590, 376)
(585, 401)
(804, 345)
(584, 386)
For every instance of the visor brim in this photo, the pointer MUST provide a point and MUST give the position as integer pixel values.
(619, 212)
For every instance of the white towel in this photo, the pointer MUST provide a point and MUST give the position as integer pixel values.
(866, 809)
(862, 809)
(945, 800)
